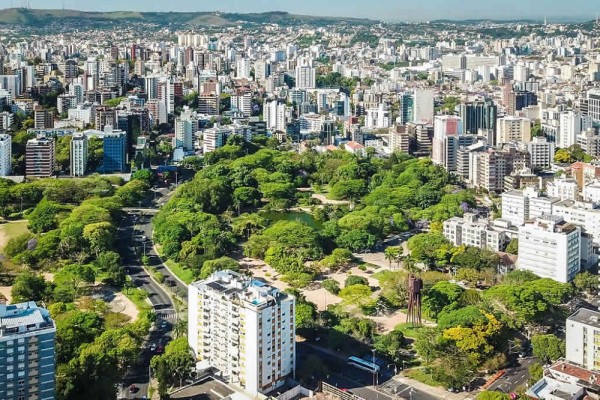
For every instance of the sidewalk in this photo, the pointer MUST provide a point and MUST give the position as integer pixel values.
(435, 391)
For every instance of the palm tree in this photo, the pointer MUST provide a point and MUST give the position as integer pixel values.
(390, 253)
(180, 328)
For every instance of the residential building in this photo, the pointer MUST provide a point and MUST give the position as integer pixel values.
(5, 154)
(185, 126)
(79, 154)
(489, 168)
(39, 157)
(214, 138)
(305, 77)
(550, 247)
(513, 129)
(43, 118)
(519, 206)
(378, 118)
(541, 152)
(27, 356)
(399, 139)
(593, 104)
(572, 123)
(423, 105)
(114, 143)
(591, 192)
(563, 188)
(589, 142)
(583, 214)
(208, 104)
(583, 335)
(470, 231)
(447, 139)
(243, 328)
(275, 115)
(242, 102)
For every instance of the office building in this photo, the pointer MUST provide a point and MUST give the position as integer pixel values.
(470, 231)
(550, 248)
(583, 336)
(79, 155)
(478, 115)
(513, 129)
(5, 154)
(39, 157)
(243, 328)
(115, 151)
(27, 358)
(423, 105)
(406, 108)
(519, 206)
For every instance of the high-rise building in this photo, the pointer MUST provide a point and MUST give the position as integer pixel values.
(513, 129)
(79, 154)
(541, 151)
(214, 138)
(185, 126)
(478, 115)
(39, 157)
(423, 105)
(243, 328)
(305, 77)
(592, 103)
(550, 248)
(470, 231)
(572, 123)
(27, 360)
(242, 102)
(43, 118)
(406, 108)
(5, 154)
(274, 115)
(489, 168)
(447, 139)
(114, 144)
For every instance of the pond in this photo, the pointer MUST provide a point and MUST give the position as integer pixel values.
(275, 216)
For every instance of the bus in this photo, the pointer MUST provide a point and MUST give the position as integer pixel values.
(362, 364)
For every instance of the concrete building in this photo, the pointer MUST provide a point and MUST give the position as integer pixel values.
(244, 328)
(275, 115)
(550, 247)
(519, 206)
(43, 118)
(305, 77)
(489, 168)
(572, 123)
(583, 335)
(478, 115)
(563, 188)
(39, 157)
(447, 139)
(513, 129)
(583, 214)
(27, 360)
(214, 138)
(79, 154)
(5, 154)
(589, 142)
(243, 103)
(591, 192)
(423, 105)
(470, 231)
(541, 151)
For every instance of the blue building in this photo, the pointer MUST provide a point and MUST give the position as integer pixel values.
(115, 151)
(27, 360)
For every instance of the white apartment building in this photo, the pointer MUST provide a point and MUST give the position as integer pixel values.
(541, 151)
(447, 135)
(83, 113)
(572, 123)
(378, 118)
(244, 328)
(184, 134)
(589, 142)
(275, 115)
(243, 103)
(584, 214)
(423, 110)
(469, 231)
(305, 77)
(583, 336)
(550, 248)
(5, 154)
(563, 188)
(79, 154)
(591, 192)
(214, 138)
(519, 206)
(513, 129)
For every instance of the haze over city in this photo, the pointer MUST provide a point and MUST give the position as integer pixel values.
(376, 9)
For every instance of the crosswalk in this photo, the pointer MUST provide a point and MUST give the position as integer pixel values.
(170, 315)
(397, 389)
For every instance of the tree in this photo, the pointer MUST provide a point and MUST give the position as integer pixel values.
(492, 395)
(390, 344)
(356, 280)
(513, 247)
(586, 282)
(305, 314)
(29, 287)
(173, 366)
(144, 175)
(110, 263)
(430, 248)
(332, 286)
(442, 296)
(219, 264)
(548, 348)
(100, 236)
(71, 281)
(44, 216)
(356, 294)
(246, 197)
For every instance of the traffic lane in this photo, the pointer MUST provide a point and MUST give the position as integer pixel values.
(514, 377)
(343, 382)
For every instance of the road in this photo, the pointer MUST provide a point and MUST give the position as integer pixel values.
(130, 240)
(361, 382)
(514, 377)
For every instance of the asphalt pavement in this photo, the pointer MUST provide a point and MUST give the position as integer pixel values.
(514, 377)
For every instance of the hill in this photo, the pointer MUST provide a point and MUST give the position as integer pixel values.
(23, 16)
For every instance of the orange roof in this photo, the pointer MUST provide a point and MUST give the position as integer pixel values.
(355, 145)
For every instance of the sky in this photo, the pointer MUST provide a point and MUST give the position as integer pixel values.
(390, 10)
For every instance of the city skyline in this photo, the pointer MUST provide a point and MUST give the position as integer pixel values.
(376, 9)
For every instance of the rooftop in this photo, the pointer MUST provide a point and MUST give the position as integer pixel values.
(585, 316)
(23, 317)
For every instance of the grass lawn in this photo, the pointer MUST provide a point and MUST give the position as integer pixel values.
(11, 230)
(420, 375)
(138, 297)
(186, 275)
(408, 330)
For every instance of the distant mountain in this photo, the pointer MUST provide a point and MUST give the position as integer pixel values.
(483, 21)
(23, 16)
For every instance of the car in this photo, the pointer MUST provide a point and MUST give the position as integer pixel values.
(133, 388)
(153, 347)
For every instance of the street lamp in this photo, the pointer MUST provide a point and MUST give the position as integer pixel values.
(144, 243)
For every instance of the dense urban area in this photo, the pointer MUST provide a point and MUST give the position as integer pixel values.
(277, 206)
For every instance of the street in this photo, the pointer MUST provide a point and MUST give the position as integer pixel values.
(514, 377)
(135, 231)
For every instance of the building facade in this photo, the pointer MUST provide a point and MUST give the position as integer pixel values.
(27, 358)
(5, 154)
(583, 336)
(39, 157)
(244, 328)
(79, 155)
